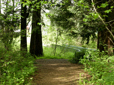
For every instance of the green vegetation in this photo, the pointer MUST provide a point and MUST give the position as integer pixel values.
(60, 54)
(72, 53)
(15, 68)
(100, 66)
(75, 31)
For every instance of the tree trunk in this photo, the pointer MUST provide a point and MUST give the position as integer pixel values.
(36, 37)
(100, 42)
(23, 28)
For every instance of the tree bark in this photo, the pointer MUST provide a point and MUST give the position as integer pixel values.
(36, 36)
(23, 28)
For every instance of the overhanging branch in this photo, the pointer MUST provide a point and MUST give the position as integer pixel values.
(102, 19)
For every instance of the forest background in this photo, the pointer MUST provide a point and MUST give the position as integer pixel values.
(81, 31)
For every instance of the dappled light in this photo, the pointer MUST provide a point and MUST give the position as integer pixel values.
(56, 42)
(57, 72)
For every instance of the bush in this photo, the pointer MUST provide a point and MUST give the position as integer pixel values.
(15, 68)
(78, 56)
(100, 67)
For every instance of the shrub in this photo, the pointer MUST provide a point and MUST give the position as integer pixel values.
(78, 56)
(100, 67)
(15, 68)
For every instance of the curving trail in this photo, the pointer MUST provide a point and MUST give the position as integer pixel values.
(57, 72)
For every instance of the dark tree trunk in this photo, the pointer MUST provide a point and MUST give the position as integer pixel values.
(36, 37)
(23, 28)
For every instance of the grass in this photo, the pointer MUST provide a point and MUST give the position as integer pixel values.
(49, 53)
(73, 55)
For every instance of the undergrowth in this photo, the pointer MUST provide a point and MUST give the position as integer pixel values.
(15, 69)
(100, 66)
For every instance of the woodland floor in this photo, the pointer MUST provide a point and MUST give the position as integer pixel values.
(57, 72)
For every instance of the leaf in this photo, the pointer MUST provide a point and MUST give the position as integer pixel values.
(81, 1)
(95, 16)
(92, 3)
(104, 5)
(39, 23)
(85, 20)
(112, 7)
(108, 11)
(86, 6)
(108, 77)
(98, 6)
(61, 4)
(105, 16)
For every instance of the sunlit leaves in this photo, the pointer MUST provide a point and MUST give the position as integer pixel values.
(89, 16)
(112, 7)
(81, 1)
(86, 6)
(101, 71)
(85, 20)
(94, 15)
(39, 23)
(104, 5)
(108, 11)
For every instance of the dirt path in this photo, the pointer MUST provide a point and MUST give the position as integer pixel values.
(57, 72)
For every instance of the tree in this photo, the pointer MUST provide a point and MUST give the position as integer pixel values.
(6, 25)
(64, 16)
(105, 35)
(36, 36)
(23, 27)
(75, 17)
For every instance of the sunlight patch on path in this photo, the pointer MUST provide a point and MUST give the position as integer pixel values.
(57, 72)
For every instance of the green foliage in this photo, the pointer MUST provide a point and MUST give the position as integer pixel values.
(71, 53)
(10, 18)
(59, 54)
(62, 37)
(100, 67)
(76, 19)
(108, 11)
(92, 44)
(9, 21)
(78, 56)
(15, 68)
(104, 5)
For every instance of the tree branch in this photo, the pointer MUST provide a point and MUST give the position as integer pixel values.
(102, 20)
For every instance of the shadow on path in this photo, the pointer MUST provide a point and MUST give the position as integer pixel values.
(57, 72)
